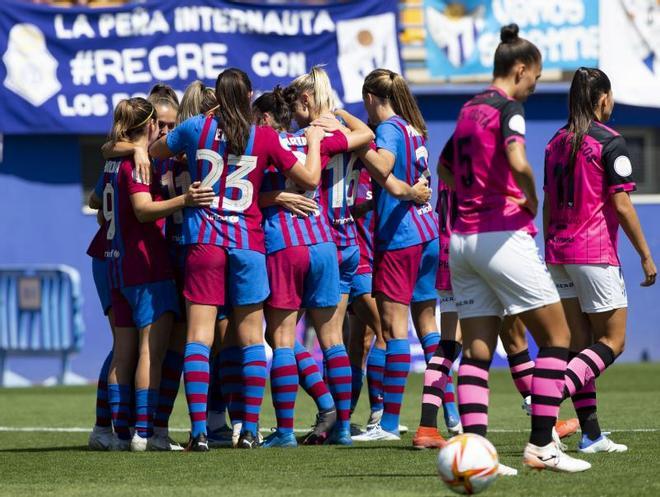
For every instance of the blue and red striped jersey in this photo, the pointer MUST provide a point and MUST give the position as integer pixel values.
(365, 223)
(339, 182)
(234, 218)
(137, 252)
(172, 179)
(402, 223)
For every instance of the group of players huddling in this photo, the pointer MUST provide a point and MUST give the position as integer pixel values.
(216, 216)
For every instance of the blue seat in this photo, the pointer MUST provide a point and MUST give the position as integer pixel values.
(40, 314)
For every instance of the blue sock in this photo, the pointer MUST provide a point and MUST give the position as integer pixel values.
(103, 415)
(357, 378)
(397, 366)
(429, 344)
(121, 398)
(254, 383)
(145, 405)
(196, 384)
(311, 380)
(284, 386)
(339, 380)
(375, 372)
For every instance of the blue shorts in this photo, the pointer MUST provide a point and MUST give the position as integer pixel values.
(361, 285)
(349, 258)
(141, 305)
(247, 277)
(428, 271)
(304, 277)
(100, 274)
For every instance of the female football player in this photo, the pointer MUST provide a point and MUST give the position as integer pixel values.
(588, 176)
(143, 293)
(495, 266)
(406, 246)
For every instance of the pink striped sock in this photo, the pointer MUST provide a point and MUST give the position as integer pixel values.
(587, 366)
(522, 370)
(547, 388)
(473, 394)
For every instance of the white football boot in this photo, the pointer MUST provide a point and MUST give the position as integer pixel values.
(552, 458)
(376, 434)
(602, 444)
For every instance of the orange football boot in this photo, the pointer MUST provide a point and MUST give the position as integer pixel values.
(567, 427)
(428, 438)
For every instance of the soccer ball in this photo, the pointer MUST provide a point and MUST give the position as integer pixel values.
(468, 464)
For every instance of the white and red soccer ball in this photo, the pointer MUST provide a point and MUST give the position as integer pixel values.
(468, 464)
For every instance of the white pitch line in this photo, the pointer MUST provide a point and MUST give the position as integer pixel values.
(79, 429)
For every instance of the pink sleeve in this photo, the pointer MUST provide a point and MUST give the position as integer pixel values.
(334, 143)
(130, 176)
(281, 158)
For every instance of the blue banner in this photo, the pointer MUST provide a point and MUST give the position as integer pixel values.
(461, 37)
(64, 69)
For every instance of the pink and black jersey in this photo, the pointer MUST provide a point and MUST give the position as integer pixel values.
(446, 208)
(282, 228)
(234, 218)
(338, 188)
(172, 179)
(136, 252)
(485, 185)
(402, 223)
(365, 223)
(583, 227)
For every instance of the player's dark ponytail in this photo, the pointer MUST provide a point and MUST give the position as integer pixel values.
(587, 87)
(513, 49)
(275, 103)
(233, 90)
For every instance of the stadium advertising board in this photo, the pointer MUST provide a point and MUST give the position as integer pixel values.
(461, 37)
(64, 70)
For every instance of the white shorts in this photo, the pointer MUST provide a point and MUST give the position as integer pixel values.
(598, 287)
(447, 303)
(498, 273)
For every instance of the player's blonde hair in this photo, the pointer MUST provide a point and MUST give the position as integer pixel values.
(390, 86)
(315, 83)
(131, 118)
(197, 99)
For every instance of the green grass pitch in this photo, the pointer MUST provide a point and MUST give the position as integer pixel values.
(34, 463)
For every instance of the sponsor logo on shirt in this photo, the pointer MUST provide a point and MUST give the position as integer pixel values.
(112, 254)
(343, 220)
(219, 217)
(425, 209)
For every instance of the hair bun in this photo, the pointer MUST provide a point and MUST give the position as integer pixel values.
(509, 34)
